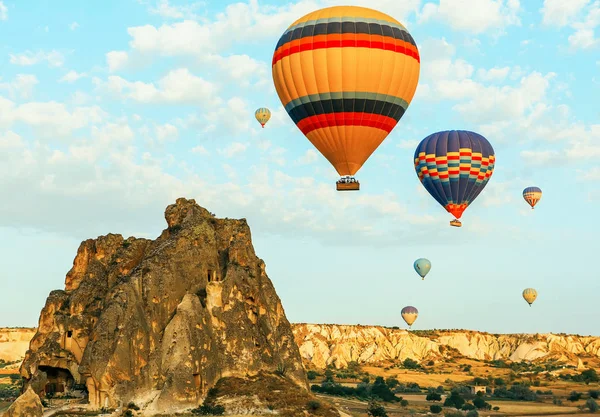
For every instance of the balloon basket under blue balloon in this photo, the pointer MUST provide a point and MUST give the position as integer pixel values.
(455, 223)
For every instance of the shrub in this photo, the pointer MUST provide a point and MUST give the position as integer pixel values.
(403, 403)
(410, 364)
(128, 413)
(590, 375)
(132, 406)
(591, 405)
(454, 400)
(467, 407)
(392, 382)
(481, 404)
(311, 375)
(594, 394)
(376, 410)
(473, 413)
(574, 396)
(313, 405)
(433, 396)
(281, 369)
(496, 408)
(435, 409)
(209, 410)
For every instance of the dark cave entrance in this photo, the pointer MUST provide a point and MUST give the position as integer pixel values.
(59, 381)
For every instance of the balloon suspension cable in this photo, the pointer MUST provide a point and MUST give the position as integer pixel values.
(423, 279)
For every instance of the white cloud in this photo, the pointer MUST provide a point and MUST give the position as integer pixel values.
(54, 58)
(200, 150)
(234, 117)
(3, 11)
(592, 175)
(166, 132)
(72, 76)
(241, 69)
(164, 9)
(50, 119)
(73, 25)
(583, 144)
(408, 144)
(116, 60)
(473, 16)
(560, 13)
(493, 74)
(178, 86)
(22, 86)
(233, 149)
(309, 157)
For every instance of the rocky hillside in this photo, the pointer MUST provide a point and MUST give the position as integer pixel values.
(324, 344)
(160, 322)
(14, 342)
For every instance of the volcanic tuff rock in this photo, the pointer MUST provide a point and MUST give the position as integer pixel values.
(14, 342)
(158, 323)
(324, 344)
(27, 405)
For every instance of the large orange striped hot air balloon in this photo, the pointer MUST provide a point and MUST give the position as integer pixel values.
(346, 75)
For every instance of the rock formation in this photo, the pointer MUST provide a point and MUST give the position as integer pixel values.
(14, 342)
(27, 405)
(323, 344)
(159, 323)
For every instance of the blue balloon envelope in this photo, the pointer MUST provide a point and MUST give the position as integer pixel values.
(422, 266)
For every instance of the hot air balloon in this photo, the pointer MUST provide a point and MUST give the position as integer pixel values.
(262, 115)
(532, 195)
(529, 294)
(422, 266)
(454, 166)
(409, 314)
(345, 76)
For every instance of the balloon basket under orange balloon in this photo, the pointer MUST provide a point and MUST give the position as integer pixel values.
(455, 223)
(347, 186)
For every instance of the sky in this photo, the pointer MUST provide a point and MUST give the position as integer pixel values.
(111, 111)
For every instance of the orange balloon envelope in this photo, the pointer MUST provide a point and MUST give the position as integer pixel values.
(345, 76)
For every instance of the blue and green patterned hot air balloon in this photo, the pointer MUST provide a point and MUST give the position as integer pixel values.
(422, 266)
(454, 166)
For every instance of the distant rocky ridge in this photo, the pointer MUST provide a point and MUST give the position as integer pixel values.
(160, 322)
(324, 344)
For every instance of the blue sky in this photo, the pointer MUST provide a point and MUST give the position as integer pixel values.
(110, 112)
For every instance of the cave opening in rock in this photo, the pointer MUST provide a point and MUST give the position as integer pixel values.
(212, 275)
(59, 380)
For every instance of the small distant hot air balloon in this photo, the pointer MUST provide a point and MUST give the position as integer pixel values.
(532, 195)
(422, 266)
(409, 314)
(529, 294)
(262, 115)
(454, 166)
(346, 75)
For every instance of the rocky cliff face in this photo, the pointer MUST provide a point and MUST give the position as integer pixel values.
(14, 342)
(159, 322)
(322, 344)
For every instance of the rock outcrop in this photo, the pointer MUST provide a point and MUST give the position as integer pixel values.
(160, 322)
(14, 342)
(324, 344)
(27, 405)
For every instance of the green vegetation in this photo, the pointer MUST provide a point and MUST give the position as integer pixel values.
(312, 375)
(410, 364)
(594, 394)
(313, 405)
(454, 400)
(433, 396)
(379, 390)
(209, 410)
(591, 405)
(516, 392)
(435, 409)
(376, 410)
(574, 396)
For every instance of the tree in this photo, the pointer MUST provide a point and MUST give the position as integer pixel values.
(435, 409)
(454, 400)
(481, 404)
(382, 390)
(328, 375)
(410, 364)
(594, 394)
(433, 396)
(376, 410)
(473, 413)
(311, 375)
(404, 403)
(574, 396)
(590, 375)
(392, 382)
(591, 405)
